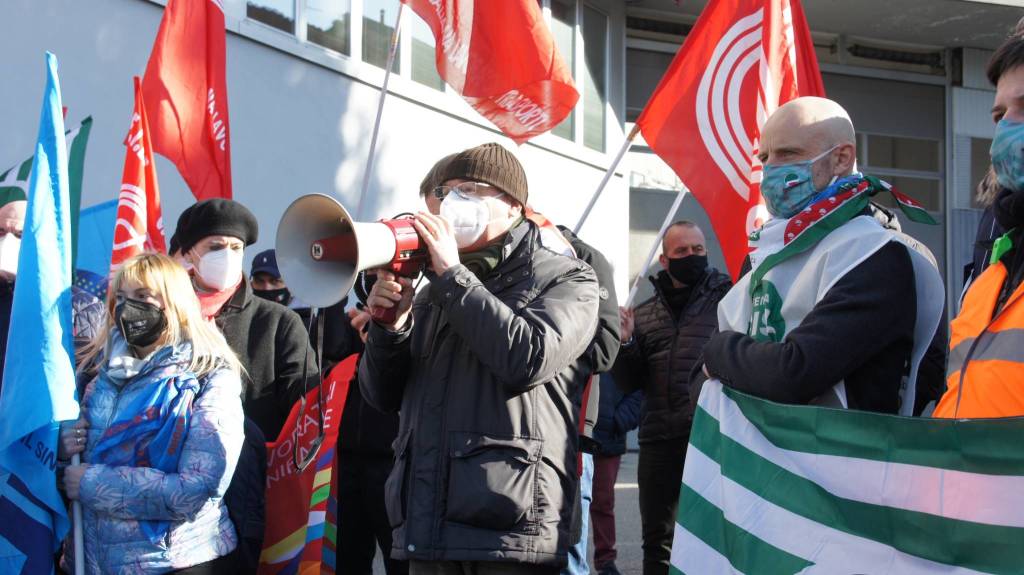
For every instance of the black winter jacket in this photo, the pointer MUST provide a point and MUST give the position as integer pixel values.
(664, 351)
(619, 414)
(363, 429)
(605, 347)
(273, 347)
(485, 461)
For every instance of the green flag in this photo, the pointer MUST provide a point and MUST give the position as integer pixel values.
(783, 489)
(14, 181)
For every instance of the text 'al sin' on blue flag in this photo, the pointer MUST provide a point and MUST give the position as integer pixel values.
(38, 377)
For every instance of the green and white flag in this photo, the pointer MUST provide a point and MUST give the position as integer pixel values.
(14, 181)
(781, 489)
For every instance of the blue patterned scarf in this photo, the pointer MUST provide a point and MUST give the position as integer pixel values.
(152, 428)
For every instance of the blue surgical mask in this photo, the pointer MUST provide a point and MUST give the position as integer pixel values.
(1007, 153)
(787, 188)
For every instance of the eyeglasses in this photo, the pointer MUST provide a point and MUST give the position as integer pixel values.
(467, 190)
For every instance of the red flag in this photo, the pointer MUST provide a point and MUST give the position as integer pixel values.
(501, 58)
(186, 94)
(139, 225)
(300, 535)
(742, 60)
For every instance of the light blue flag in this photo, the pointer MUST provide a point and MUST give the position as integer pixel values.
(39, 377)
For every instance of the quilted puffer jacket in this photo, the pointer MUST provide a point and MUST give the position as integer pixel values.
(665, 349)
(115, 498)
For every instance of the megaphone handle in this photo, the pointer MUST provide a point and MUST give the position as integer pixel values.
(386, 315)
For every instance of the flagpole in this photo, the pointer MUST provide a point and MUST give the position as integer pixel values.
(657, 241)
(607, 176)
(76, 518)
(380, 107)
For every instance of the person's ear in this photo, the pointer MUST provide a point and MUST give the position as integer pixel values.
(515, 209)
(845, 159)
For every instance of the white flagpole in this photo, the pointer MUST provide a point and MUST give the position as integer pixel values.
(380, 107)
(607, 177)
(79, 535)
(654, 247)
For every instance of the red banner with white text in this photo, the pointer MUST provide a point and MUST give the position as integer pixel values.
(501, 58)
(139, 225)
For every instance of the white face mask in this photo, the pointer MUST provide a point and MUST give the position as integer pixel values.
(10, 245)
(469, 216)
(220, 269)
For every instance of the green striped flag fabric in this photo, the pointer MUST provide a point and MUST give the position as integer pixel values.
(14, 181)
(781, 489)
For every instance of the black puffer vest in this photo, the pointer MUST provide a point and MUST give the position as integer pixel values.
(670, 347)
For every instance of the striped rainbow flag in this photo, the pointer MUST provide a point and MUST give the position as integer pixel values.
(781, 489)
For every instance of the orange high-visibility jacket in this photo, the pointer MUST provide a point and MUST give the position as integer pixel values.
(986, 353)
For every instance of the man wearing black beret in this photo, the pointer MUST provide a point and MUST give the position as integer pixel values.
(269, 338)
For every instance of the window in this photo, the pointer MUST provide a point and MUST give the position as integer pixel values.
(378, 25)
(912, 165)
(563, 30)
(646, 68)
(903, 153)
(424, 63)
(595, 92)
(363, 29)
(328, 23)
(277, 13)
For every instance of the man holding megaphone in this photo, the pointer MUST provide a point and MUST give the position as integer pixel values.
(482, 365)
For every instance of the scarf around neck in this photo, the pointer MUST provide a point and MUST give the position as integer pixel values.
(212, 301)
(152, 427)
(780, 239)
(483, 261)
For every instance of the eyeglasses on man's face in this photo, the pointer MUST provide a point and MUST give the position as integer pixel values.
(468, 190)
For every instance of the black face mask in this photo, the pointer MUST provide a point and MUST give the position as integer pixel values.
(689, 269)
(280, 295)
(141, 322)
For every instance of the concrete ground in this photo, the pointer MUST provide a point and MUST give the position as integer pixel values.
(627, 522)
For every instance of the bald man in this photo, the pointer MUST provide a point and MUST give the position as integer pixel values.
(837, 310)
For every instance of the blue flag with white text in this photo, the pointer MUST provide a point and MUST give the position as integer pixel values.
(39, 377)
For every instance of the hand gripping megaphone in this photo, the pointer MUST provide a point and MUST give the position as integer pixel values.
(321, 250)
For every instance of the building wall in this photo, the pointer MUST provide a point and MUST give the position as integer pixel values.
(301, 118)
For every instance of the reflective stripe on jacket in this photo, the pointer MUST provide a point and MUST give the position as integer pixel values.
(986, 357)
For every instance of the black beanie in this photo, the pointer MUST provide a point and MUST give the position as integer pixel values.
(216, 217)
(491, 164)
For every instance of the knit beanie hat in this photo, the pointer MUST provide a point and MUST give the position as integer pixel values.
(491, 164)
(216, 217)
(433, 178)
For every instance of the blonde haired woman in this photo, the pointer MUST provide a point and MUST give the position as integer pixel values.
(161, 430)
